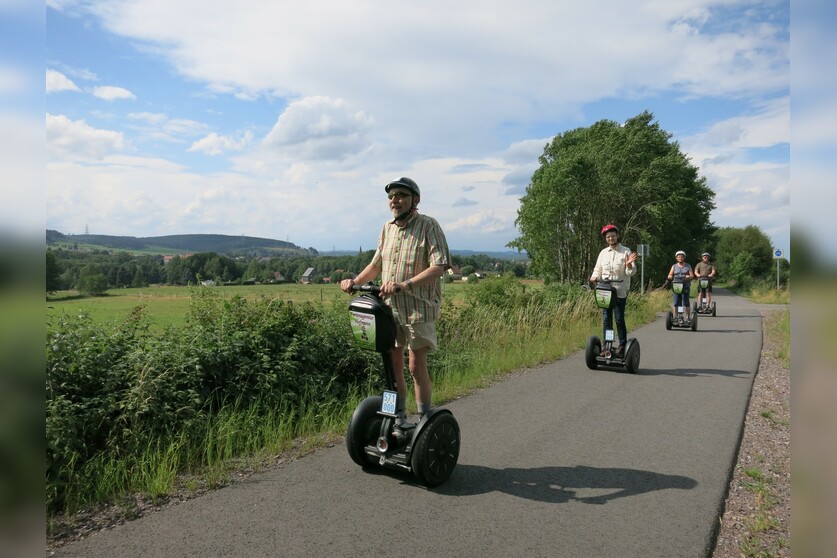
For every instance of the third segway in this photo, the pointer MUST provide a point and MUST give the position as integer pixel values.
(704, 307)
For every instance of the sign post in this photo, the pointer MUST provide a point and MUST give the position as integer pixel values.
(778, 255)
(642, 251)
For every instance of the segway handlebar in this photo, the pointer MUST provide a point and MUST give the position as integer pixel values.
(370, 287)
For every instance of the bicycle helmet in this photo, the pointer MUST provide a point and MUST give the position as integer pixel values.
(404, 182)
(607, 228)
(705, 254)
(680, 253)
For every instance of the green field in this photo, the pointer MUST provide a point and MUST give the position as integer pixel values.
(168, 306)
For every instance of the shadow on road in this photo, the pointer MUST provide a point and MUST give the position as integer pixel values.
(693, 372)
(557, 485)
(704, 330)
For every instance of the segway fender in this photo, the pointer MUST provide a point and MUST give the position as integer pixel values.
(428, 416)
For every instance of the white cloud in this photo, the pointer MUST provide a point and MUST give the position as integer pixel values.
(56, 81)
(320, 128)
(112, 93)
(214, 144)
(75, 139)
(159, 126)
(768, 126)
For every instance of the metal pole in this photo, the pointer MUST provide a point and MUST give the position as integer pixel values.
(777, 274)
(642, 275)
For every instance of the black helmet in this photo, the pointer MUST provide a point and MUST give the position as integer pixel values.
(404, 182)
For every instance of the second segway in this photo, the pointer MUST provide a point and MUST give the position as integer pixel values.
(678, 319)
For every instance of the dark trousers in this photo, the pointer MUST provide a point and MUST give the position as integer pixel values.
(619, 311)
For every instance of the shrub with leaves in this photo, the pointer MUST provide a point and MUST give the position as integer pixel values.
(112, 389)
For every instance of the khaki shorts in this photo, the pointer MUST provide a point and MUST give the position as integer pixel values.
(416, 336)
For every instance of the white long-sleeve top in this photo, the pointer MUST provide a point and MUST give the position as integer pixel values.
(611, 264)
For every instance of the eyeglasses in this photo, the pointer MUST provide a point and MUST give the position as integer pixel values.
(610, 236)
(399, 195)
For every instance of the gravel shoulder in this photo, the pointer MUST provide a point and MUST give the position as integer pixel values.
(756, 517)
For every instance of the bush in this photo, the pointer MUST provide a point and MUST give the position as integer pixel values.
(112, 389)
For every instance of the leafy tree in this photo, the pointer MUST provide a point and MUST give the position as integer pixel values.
(92, 281)
(139, 280)
(174, 271)
(631, 175)
(743, 254)
(53, 273)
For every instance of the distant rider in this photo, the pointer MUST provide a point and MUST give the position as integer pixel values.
(705, 268)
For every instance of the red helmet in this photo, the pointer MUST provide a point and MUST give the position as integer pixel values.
(607, 228)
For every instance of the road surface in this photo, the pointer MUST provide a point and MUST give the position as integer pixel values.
(555, 461)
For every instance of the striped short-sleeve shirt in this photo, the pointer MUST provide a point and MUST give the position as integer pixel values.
(403, 253)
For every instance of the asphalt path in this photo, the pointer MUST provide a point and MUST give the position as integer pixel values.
(557, 460)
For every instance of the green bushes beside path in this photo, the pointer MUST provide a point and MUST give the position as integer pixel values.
(129, 410)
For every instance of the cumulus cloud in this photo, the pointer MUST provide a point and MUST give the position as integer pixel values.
(75, 139)
(214, 144)
(464, 202)
(113, 93)
(56, 81)
(320, 128)
(486, 221)
(160, 126)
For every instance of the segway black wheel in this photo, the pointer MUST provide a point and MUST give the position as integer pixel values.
(669, 318)
(694, 322)
(632, 357)
(713, 309)
(364, 429)
(436, 451)
(594, 347)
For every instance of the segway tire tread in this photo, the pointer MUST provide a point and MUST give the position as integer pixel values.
(364, 429)
(436, 451)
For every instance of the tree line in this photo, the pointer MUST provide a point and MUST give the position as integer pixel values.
(94, 272)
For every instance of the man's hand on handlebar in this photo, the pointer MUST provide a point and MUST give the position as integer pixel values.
(346, 285)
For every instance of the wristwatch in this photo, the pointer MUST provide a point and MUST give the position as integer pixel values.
(409, 284)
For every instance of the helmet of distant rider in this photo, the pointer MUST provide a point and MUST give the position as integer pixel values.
(680, 253)
(607, 228)
(705, 254)
(404, 182)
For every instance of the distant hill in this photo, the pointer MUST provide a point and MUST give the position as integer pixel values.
(218, 243)
(181, 243)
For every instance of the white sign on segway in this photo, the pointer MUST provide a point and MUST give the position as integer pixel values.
(388, 404)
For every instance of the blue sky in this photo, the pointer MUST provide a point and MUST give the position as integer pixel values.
(285, 119)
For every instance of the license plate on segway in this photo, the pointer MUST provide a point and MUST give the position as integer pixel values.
(608, 335)
(388, 404)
